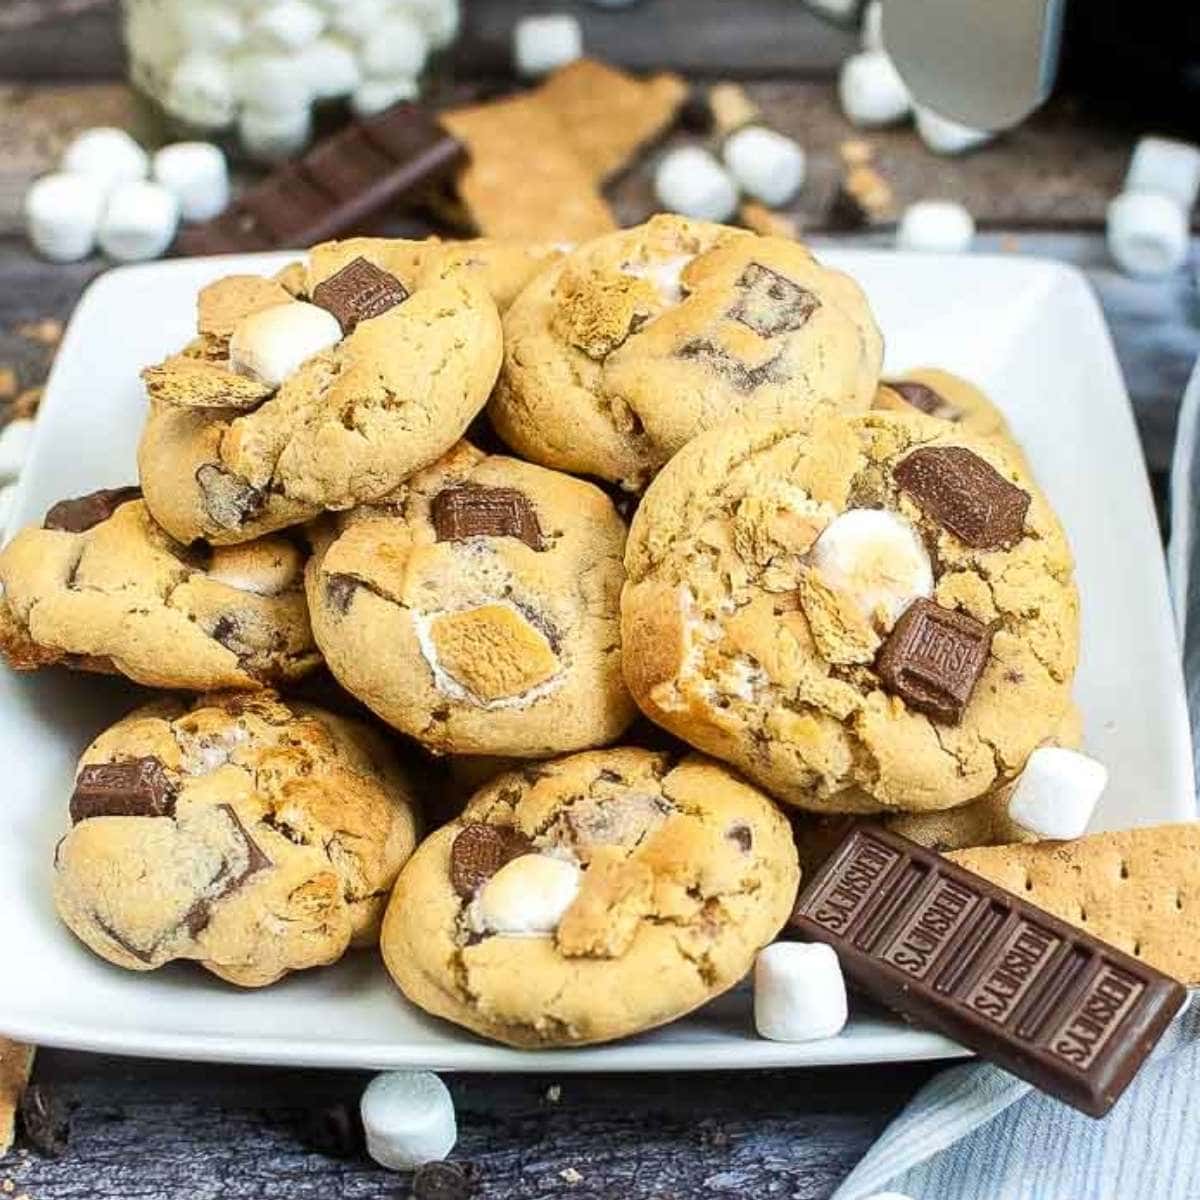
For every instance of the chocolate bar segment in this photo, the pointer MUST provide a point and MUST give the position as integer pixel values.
(480, 850)
(358, 292)
(920, 395)
(136, 787)
(86, 512)
(770, 303)
(1071, 1014)
(336, 186)
(474, 511)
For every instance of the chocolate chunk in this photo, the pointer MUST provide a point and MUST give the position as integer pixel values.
(473, 511)
(225, 631)
(442, 1181)
(336, 1131)
(735, 372)
(358, 292)
(225, 883)
(340, 591)
(145, 956)
(138, 787)
(933, 658)
(920, 396)
(771, 303)
(364, 168)
(742, 835)
(480, 850)
(45, 1120)
(229, 499)
(86, 512)
(949, 950)
(964, 494)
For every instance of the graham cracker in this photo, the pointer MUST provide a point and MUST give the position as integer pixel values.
(609, 116)
(16, 1062)
(1138, 889)
(525, 179)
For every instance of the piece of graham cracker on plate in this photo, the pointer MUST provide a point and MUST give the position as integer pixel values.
(1138, 889)
(16, 1062)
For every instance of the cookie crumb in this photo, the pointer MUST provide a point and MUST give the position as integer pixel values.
(47, 331)
(554, 1093)
(570, 1175)
(758, 218)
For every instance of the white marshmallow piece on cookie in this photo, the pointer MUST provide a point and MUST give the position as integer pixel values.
(877, 558)
(198, 177)
(108, 155)
(408, 1118)
(1057, 793)
(266, 567)
(937, 226)
(139, 222)
(871, 90)
(799, 992)
(270, 344)
(690, 181)
(666, 276)
(62, 215)
(398, 49)
(527, 897)
(767, 165)
(1166, 166)
(544, 43)
(944, 136)
(1147, 233)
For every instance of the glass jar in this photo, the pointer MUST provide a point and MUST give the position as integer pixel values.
(255, 70)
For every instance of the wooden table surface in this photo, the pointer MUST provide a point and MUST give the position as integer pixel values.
(156, 1130)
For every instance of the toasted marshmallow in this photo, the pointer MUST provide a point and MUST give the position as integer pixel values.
(62, 215)
(1147, 233)
(871, 91)
(767, 165)
(799, 992)
(1057, 793)
(265, 567)
(139, 222)
(936, 225)
(408, 1118)
(944, 136)
(527, 897)
(877, 558)
(108, 155)
(196, 174)
(689, 180)
(270, 344)
(543, 44)
(666, 276)
(398, 49)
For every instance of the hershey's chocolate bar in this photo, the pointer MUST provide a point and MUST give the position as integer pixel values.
(337, 185)
(939, 944)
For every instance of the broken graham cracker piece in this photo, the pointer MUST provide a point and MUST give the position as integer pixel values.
(608, 115)
(1138, 889)
(199, 383)
(760, 219)
(525, 179)
(493, 651)
(16, 1063)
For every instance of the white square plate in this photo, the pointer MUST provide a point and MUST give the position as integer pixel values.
(1029, 332)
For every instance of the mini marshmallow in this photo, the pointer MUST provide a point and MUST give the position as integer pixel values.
(689, 180)
(62, 215)
(270, 83)
(139, 222)
(1147, 233)
(408, 1118)
(288, 25)
(209, 27)
(876, 557)
(543, 44)
(249, 567)
(527, 896)
(273, 136)
(358, 19)
(398, 49)
(666, 276)
(270, 344)
(15, 439)
(196, 174)
(872, 26)
(944, 136)
(767, 165)
(1166, 166)
(374, 95)
(871, 91)
(107, 154)
(935, 225)
(200, 91)
(799, 992)
(1057, 793)
(439, 19)
(328, 68)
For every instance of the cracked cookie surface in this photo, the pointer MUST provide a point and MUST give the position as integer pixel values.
(675, 876)
(227, 457)
(911, 670)
(635, 342)
(477, 611)
(252, 835)
(108, 589)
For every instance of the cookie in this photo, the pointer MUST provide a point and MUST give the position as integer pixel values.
(631, 345)
(369, 379)
(1138, 889)
(101, 586)
(591, 898)
(16, 1063)
(877, 613)
(950, 397)
(477, 610)
(252, 835)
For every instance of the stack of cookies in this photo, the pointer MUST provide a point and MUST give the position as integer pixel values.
(515, 499)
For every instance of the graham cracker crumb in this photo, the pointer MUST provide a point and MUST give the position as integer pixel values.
(758, 217)
(27, 403)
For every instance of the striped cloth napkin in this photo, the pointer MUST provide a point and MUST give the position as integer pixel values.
(975, 1132)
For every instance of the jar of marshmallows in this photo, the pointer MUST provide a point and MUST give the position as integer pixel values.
(257, 69)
